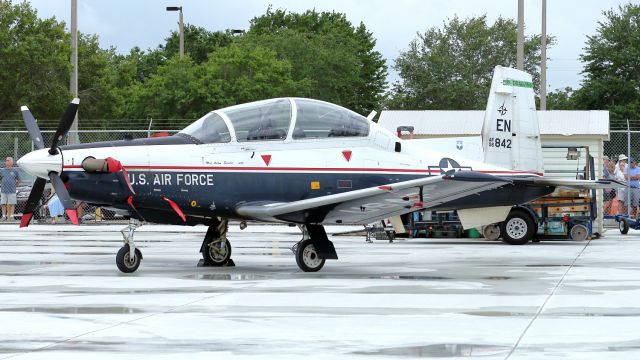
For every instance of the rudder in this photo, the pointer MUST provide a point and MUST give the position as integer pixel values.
(510, 133)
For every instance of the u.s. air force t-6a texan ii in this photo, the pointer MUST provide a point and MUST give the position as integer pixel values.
(300, 161)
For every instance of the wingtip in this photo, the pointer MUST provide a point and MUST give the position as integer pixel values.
(75, 101)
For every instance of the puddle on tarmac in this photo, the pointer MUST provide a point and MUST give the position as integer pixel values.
(552, 265)
(16, 262)
(225, 277)
(409, 277)
(76, 310)
(495, 313)
(441, 350)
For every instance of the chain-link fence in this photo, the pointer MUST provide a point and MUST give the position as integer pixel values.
(622, 148)
(18, 143)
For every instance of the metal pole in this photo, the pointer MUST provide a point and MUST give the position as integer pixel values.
(520, 39)
(628, 161)
(181, 35)
(543, 58)
(73, 86)
(149, 129)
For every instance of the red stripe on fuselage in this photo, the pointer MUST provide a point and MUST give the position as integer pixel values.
(264, 168)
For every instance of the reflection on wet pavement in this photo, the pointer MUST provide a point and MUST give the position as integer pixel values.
(458, 298)
(442, 351)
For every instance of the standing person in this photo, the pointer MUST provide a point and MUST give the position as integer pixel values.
(609, 194)
(8, 186)
(632, 175)
(605, 167)
(622, 164)
(622, 192)
(55, 207)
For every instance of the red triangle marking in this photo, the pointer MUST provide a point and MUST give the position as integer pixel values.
(266, 159)
(347, 154)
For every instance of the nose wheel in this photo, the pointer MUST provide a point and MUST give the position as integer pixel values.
(128, 257)
(127, 260)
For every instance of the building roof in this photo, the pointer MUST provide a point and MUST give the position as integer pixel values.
(468, 123)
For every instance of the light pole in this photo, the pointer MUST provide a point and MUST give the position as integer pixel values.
(73, 83)
(543, 58)
(179, 8)
(520, 39)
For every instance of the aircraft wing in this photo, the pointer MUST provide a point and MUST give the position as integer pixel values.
(575, 184)
(368, 205)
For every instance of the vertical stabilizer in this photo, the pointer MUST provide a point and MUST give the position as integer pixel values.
(510, 133)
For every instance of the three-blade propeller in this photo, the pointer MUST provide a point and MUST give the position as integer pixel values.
(38, 187)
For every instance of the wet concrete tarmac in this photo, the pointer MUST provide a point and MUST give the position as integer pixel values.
(61, 296)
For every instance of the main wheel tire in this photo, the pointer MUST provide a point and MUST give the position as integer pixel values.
(518, 228)
(307, 258)
(623, 225)
(217, 252)
(579, 232)
(491, 232)
(124, 261)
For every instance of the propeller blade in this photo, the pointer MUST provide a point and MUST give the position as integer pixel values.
(32, 201)
(32, 127)
(64, 125)
(64, 197)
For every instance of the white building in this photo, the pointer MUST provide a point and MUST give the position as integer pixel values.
(558, 129)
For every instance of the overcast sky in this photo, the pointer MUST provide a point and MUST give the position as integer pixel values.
(145, 23)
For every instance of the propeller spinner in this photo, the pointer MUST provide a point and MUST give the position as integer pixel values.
(47, 163)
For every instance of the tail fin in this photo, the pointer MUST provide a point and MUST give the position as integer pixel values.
(510, 133)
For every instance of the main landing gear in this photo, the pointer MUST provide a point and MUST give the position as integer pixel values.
(216, 248)
(310, 252)
(314, 248)
(128, 257)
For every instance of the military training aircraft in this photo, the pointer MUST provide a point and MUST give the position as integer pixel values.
(304, 162)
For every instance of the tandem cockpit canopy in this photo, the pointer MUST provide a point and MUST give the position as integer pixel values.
(278, 119)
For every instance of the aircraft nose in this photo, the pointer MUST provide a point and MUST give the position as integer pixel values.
(40, 163)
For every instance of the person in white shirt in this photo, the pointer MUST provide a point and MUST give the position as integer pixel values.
(622, 192)
(622, 159)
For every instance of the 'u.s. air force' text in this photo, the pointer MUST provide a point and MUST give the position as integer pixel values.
(182, 179)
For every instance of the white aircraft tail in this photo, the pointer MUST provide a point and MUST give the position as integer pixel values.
(510, 133)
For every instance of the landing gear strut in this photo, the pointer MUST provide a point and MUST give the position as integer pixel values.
(314, 248)
(216, 248)
(128, 257)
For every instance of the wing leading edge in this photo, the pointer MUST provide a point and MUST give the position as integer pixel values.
(367, 205)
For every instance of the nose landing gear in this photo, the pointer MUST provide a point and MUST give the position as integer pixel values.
(128, 257)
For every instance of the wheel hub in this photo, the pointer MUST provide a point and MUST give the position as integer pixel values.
(516, 228)
(310, 257)
(218, 250)
(129, 260)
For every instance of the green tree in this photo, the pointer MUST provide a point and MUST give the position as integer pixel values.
(612, 65)
(172, 92)
(236, 75)
(99, 79)
(182, 89)
(326, 49)
(198, 42)
(451, 67)
(561, 99)
(34, 62)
